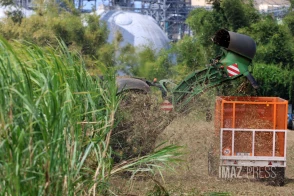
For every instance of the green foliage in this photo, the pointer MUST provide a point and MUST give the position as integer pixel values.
(204, 24)
(147, 53)
(106, 55)
(289, 21)
(46, 139)
(235, 14)
(127, 58)
(237, 87)
(251, 14)
(6, 2)
(149, 64)
(274, 42)
(292, 3)
(274, 80)
(158, 190)
(96, 34)
(47, 28)
(190, 53)
(216, 4)
(56, 123)
(16, 16)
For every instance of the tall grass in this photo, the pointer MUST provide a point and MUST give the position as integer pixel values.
(56, 123)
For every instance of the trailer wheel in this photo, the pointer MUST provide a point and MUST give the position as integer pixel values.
(279, 180)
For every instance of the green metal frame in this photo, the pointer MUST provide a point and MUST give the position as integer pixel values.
(199, 81)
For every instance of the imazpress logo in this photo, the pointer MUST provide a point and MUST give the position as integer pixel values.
(246, 172)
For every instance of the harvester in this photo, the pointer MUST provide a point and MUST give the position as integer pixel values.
(238, 50)
(252, 130)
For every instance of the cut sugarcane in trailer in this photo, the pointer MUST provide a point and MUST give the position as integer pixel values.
(252, 132)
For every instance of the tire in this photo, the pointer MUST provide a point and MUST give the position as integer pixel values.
(279, 180)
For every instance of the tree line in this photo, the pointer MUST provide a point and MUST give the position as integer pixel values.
(272, 65)
(274, 59)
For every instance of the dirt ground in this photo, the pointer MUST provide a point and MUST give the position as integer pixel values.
(191, 176)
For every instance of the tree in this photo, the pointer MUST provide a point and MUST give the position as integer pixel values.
(292, 3)
(204, 24)
(52, 25)
(274, 42)
(234, 13)
(151, 65)
(190, 53)
(289, 21)
(274, 80)
(228, 14)
(16, 16)
(5, 3)
(251, 14)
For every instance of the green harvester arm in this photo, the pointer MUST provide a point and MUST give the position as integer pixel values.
(238, 51)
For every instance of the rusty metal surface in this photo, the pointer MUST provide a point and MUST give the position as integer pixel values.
(235, 42)
(131, 84)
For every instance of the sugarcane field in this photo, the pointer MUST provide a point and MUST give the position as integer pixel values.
(155, 98)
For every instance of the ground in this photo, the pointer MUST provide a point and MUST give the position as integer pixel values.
(191, 176)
